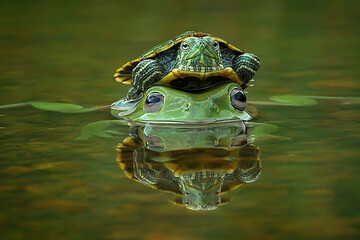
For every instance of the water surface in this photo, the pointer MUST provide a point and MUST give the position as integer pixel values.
(56, 187)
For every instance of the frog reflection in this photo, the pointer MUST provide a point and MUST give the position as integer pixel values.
(200, 164)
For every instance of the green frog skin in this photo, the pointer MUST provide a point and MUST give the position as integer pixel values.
(162, 104)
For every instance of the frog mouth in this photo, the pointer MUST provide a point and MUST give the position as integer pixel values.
(187, 123)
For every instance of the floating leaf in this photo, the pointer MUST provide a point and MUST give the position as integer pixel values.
(61, 107)
(294, 100)
(344, 100)
(268, 103)
(15, 105)
(53, 107)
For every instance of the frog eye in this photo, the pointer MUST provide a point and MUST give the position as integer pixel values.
(153, 102)
(238, 99)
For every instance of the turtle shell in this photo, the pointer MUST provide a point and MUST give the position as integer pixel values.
(177, 78)
(193, 181)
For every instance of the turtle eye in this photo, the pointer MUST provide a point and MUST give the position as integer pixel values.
(238, 99)
(153, 102)
(184, 46)
(216, 44)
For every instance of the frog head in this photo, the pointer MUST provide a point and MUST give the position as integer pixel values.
(162, 104)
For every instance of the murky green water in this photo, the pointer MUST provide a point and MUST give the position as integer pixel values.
(55, 187)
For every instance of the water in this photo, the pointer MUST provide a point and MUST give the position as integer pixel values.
(55, 187)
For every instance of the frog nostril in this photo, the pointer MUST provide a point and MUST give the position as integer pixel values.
(186, 106)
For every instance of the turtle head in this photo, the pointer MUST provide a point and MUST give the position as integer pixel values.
(199, 54)
(201, 193)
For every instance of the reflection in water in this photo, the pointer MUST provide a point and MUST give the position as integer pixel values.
(200, 164)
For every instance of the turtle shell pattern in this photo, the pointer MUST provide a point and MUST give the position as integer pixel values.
(166, 52)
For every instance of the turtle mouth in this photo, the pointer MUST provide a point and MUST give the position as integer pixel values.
(201, 55)
(200, 63)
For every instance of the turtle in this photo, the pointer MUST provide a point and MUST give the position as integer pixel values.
(192, 61)
(198, 171)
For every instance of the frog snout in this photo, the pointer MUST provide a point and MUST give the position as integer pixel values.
(198, 106)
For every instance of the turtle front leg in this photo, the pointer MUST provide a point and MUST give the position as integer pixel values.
(144, 75)
(245, 67)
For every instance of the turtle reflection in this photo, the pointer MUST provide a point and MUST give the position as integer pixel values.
(199, 164)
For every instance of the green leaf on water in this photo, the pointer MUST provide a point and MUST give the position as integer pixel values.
(344, 100)
(61, 107)
(14, 105)
(53, 107)
(293, 100)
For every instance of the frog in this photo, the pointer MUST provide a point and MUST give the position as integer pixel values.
(162, 104)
